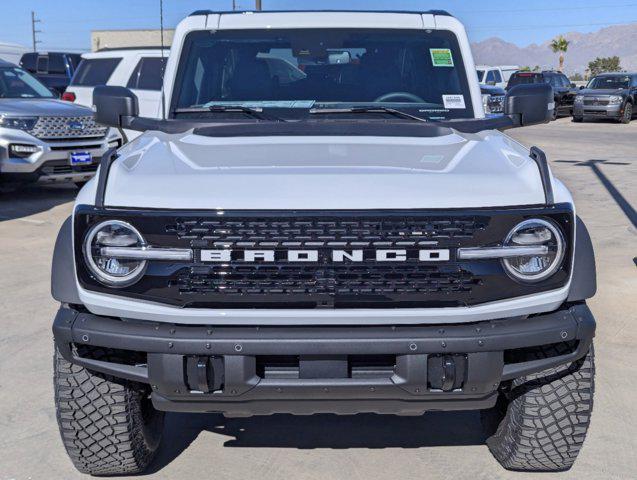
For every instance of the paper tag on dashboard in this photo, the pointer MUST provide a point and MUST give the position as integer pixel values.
(453, 101)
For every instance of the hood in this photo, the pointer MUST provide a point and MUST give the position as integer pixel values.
(41, 107)
(602, 91)
(491, 90)
(190, 171)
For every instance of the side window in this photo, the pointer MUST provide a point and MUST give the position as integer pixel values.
(497, 76)
(491, 76)
(95, 71)
(57, 63)
(29, 62)
(148, 74)
(43, 64)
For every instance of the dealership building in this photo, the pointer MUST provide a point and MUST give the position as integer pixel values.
(106, 39)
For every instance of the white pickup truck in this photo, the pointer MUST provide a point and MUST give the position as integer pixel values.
(323, 221)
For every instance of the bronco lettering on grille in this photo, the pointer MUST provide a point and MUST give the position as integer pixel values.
(336, 256)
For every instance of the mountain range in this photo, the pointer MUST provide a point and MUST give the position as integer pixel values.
(620, 40)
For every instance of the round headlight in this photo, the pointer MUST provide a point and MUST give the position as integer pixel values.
(532, 233)
(114, 272)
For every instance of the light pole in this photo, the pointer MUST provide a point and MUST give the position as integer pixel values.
(34, 32)
(258, 5)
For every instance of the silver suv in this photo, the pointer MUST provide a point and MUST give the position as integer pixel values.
(43, 138)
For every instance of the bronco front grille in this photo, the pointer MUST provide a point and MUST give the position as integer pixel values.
(331, 231)
(63, 128)
(324, 282)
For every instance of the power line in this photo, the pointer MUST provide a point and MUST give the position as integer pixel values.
(553, 9)
(565, 25)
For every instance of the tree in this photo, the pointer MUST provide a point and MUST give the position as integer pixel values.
(577, 77)
(560, 45)
(605, 64)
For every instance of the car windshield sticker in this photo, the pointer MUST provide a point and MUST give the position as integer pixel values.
(441, 57)
(453, 101)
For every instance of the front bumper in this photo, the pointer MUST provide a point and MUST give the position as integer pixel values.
(235, 370)
(51, 162)
(598, 111)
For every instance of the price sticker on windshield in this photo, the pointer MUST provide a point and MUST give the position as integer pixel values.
(452, 102)
(441, 57)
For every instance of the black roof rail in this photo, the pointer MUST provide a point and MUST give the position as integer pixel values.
(443, 13)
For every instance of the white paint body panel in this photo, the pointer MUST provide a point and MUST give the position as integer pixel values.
(455, 170)
(195, 172)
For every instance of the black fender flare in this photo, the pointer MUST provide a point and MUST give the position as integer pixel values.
(584, 282)
(63, 285)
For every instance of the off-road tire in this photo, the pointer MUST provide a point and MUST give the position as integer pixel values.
(578, 119)
(108, 426)
(628, 114)
(544, 418)
(79, 185)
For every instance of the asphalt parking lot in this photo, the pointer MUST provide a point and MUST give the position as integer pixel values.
(598, 162)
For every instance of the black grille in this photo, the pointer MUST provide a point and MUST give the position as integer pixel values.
(324, 282)
(321, 280)
(316, 232)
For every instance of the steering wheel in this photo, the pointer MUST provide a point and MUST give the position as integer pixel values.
(397, 96)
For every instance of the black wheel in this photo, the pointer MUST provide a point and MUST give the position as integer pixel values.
(555, 115)
(628, 114)
(578, 119)
(541, 423)
(79, 185)
(108, 426)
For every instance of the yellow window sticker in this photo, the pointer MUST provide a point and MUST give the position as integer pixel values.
(441, 57)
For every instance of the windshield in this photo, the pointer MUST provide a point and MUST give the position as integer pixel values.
(18, 83)
(419, 71)
(480, 75)
(610, 83)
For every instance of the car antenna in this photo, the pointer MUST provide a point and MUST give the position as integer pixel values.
(163, 59)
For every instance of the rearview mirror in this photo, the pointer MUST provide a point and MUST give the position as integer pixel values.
(530, 104)
(115, 106)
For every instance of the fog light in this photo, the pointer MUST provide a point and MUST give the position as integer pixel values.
(534, 268)
(111, 271)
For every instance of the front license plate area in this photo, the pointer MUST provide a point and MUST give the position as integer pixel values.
(80, 158)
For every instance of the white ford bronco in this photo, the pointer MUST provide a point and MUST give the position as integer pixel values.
(323, 220)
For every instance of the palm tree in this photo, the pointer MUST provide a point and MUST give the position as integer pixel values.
(560, 45)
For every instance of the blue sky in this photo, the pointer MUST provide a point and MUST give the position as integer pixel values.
(66, 24)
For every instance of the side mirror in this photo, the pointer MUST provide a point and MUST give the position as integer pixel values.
(115, 106)
(530, 104)
(573, 85)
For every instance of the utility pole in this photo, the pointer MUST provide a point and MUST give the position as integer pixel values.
(34, 32)
(258, 5)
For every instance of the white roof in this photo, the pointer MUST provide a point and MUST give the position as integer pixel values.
(125, 52)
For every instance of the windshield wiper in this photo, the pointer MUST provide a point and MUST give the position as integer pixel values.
(253, 112)
(391, 111)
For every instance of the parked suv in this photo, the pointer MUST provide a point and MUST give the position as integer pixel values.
(357, 237)
(53, 69)
(564, 90)
(43, 138)
(612, 95)
(141, 70)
